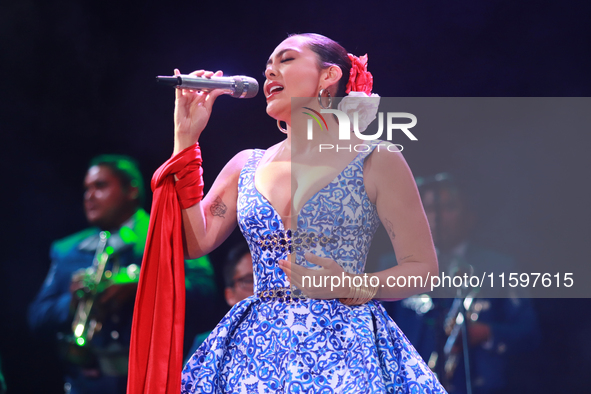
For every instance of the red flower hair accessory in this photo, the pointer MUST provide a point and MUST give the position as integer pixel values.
(360, 80)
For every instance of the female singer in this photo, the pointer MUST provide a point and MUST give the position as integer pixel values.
(305, 213)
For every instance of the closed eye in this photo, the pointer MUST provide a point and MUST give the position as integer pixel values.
(282, 61)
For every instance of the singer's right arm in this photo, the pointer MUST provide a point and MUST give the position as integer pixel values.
(207, 224)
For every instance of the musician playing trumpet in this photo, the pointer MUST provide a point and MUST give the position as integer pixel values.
(114, 193)
(87, 299)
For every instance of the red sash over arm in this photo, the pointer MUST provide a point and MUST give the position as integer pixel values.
(156, 351)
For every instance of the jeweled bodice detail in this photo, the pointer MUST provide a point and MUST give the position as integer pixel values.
(338, 222)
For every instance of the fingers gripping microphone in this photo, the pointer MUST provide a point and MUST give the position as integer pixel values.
(237, 86)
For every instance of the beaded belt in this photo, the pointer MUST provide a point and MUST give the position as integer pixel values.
(281, 294)
(283, 241)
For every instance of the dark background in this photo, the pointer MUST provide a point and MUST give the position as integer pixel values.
(78, 80)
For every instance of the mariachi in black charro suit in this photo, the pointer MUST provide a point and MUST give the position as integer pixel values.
(512, 321)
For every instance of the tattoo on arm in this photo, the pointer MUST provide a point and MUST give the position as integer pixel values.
(389, 228)
(218, 208)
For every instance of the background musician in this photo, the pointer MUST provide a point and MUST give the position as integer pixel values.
(113, 197)
(498, 329)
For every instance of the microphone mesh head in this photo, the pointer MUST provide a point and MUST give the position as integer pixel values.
(253, 88)
(245, 83)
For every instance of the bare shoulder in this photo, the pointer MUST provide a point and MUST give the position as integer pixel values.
(384, 168)
(231, 171)
(237, 162)
(386, 154)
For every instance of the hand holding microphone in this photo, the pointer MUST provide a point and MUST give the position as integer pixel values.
(192, 109)
(238, 86)
(195, 95)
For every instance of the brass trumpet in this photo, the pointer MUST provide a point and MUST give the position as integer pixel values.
(84, 325)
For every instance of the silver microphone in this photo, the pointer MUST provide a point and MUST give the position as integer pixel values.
(238, 86)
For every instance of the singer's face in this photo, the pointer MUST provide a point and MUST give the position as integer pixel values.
(292, 71)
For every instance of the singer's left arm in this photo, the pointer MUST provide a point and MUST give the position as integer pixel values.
(390, 185)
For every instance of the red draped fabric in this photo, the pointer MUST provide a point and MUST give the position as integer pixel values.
(156, 351)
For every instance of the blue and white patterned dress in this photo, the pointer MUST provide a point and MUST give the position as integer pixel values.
(283, 344)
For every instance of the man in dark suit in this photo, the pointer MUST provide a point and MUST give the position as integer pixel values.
(496, 328)
(96, 354)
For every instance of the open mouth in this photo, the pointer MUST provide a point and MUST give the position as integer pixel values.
(273, 88)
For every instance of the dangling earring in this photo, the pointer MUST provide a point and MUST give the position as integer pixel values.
(320, 93)
(284, 131)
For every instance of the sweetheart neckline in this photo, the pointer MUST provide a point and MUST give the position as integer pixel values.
(275, 212)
